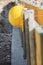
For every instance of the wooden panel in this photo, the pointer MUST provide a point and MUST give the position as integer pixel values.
(32, 47)
(39, 16)
(27, 42)
(38, 12)
(38, 48)
(27, 5)
(42, 47)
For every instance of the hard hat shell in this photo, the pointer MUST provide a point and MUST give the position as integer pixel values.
(16, 16)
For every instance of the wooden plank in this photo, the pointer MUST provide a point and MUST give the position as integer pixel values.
(38, 12)
(39, 42)
(27, 42)
(32, 37)
(32, 47)
(42, 47)
(23, 39)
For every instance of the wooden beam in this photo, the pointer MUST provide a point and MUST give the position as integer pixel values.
(38, 12)
(27, 42)
(32, 47)
(39, 45)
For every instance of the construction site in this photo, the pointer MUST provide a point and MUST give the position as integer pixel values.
(21, 32)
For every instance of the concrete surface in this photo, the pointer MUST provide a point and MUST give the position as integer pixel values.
(17, 50)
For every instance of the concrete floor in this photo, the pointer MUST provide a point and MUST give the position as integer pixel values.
(17, 50)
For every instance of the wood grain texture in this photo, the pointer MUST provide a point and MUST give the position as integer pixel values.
(38, 48)
(38, 13)
(32, 47)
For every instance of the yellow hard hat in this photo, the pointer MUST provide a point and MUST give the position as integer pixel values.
(16, 16)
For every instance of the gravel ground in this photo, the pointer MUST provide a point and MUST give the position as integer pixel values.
(5, 41)
(5, 47)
